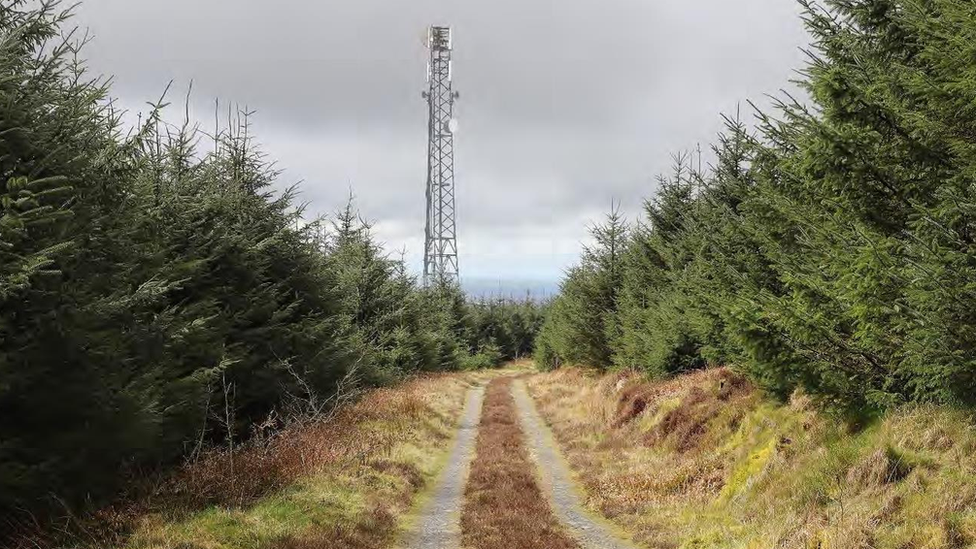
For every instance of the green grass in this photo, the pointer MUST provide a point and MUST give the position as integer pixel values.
(316, 503)
(759, 474)
(350, 483)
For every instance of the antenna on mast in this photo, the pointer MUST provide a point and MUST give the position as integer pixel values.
(440, 236)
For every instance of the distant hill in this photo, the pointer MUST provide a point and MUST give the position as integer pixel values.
(538, 290)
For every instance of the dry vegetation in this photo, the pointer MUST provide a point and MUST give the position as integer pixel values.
(504, 507)
(341, 483)
(704, 461)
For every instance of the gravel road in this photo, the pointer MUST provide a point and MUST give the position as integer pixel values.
(557, 480)
(438, 525)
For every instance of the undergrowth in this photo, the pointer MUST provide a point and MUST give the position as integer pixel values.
(703, 460)
(344, 482)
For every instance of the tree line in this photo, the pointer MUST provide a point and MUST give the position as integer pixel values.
(157, 295)
(501, 330)
(831, 247)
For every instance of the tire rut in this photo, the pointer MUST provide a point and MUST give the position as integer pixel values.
(438, 523)
(557, 480)
(505, 507)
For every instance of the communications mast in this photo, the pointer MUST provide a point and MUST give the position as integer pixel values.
(440, 242)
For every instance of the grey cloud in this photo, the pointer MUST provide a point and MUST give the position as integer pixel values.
(565, 105)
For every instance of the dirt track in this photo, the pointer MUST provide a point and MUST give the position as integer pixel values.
(505, 507)
(438, 525)
(557, 480)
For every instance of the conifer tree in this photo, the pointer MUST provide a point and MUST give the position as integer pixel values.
(148, 278)
(582, 321)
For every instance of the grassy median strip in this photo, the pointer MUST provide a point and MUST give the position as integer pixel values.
(504, 507)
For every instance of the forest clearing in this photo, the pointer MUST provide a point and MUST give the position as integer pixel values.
(772, 346)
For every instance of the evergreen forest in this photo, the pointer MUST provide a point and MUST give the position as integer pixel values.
(829, 247)
(160, 293)
(164, 293)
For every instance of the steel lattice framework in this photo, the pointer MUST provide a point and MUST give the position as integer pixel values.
(440, 242)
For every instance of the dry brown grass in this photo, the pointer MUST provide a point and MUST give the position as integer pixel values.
(704, 461)
(340, 483)
(504, 507)
(309, 448)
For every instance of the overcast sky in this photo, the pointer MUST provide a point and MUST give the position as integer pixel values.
(565, 104)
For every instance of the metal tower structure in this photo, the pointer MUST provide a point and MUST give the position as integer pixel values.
(440, 236)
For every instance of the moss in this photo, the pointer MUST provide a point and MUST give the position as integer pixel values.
(752, 466)
(772, 475)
